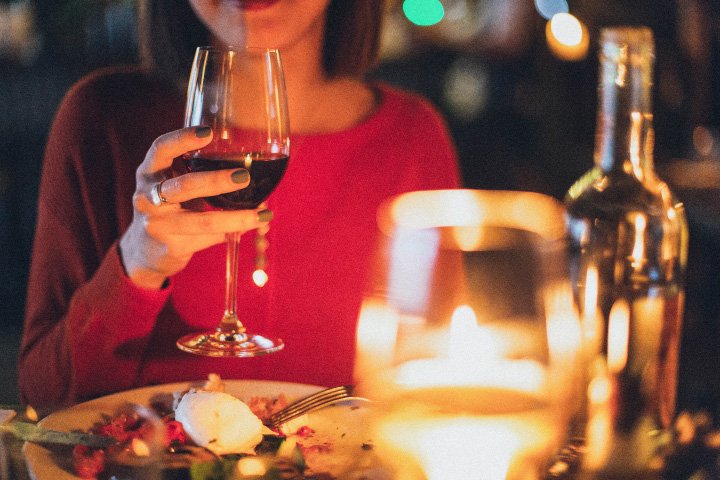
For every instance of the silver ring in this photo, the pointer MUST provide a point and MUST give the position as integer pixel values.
(156, 196)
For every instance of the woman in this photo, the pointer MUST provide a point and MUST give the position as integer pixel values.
(116, 279)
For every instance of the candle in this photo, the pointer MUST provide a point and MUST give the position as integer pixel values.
(468, 412)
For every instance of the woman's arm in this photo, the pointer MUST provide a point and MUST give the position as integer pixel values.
(103, 250)
(82, 313)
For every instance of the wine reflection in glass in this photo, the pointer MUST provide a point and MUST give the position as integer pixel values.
(240, 94)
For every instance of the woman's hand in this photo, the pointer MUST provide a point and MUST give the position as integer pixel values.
(163, 236)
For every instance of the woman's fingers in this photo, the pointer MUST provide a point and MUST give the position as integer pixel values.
(186, 222)
(161, 242)
(168, 146)
(203, 184)
(155, 186)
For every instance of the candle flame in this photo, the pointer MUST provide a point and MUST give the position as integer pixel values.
(466, 342)
(618, 336)
(474, 357)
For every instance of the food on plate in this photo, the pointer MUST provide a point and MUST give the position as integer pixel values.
(219, 422)
(264, 407)
(214, 383)
(203, 429)
(139, 436)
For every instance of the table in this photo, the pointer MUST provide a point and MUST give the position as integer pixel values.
(695, 454)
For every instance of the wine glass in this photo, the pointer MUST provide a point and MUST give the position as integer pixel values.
(469, 341)
(240, 94)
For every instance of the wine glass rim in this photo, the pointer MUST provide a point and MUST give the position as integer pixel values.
(232, 48)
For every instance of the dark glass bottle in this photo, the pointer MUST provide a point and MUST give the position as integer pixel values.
(628, 247)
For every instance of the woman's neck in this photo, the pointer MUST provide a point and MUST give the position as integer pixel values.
(319, 104)
(306, 81)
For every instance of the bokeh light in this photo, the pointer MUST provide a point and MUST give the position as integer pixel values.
(567, 37)
(703, 141)
(549, 8)
(423, 12)
(260, 277)
(566, 29)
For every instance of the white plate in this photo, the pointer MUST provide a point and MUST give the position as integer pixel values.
(341, 426)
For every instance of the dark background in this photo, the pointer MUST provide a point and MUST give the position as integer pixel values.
(522, 119)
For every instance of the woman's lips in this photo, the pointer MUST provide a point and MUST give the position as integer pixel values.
(252, 4)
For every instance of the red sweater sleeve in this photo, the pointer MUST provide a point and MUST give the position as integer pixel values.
(86, 323)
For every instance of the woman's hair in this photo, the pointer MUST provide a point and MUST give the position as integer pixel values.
(170, 31)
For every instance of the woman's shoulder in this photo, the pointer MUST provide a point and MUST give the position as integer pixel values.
(125, 99)
(112, 89)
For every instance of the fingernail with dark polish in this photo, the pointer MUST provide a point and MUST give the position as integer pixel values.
(202, 132)
(264, 215)
(240, 176)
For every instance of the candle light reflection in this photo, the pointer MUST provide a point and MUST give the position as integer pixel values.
(618, 336)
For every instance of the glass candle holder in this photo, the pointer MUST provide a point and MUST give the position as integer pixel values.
(468, 341)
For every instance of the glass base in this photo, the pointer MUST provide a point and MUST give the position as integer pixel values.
(221, 344)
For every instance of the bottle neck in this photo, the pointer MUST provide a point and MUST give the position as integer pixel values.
(624, 137)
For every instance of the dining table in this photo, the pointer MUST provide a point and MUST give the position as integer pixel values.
(693, 455)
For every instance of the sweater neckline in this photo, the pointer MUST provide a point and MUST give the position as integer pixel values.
(375, 120)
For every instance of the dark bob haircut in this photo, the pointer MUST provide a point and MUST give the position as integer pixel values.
(170, 31)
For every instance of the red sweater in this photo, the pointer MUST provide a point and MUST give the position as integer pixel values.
(90, 331)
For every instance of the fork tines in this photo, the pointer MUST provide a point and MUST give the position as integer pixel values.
(308, 404)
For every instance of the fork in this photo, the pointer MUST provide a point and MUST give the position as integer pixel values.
(313, 402)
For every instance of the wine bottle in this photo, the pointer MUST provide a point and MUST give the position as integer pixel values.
(628, 240)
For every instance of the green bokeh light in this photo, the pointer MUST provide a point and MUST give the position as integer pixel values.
(423, 12)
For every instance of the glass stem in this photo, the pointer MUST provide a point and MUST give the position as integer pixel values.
(230, 322)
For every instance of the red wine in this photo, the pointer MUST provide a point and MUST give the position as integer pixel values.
(266, 170)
